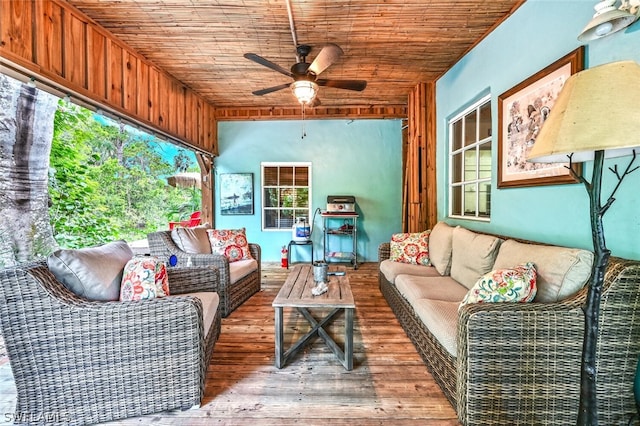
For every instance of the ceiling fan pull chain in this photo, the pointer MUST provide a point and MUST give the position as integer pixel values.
(303, 131)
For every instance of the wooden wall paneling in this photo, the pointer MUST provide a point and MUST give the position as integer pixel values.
(413, 161)
(49, 37)
(213, 138)
(430, 177)
(97, 69)
(189, 108)
(282, 113)
(75, 50)
(129, 81)
(180, 110)
(421, 107)
(421, 199)
(16, 27)
(206, 126)
(200, 123)
(164, 89)
(405, 177)
(142, 95)
(54, 40)
(115, 74)
(154, 95)
(172, 102)
(208, 188)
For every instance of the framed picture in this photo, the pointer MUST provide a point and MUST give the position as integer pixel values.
(236, 193)
(522, 111)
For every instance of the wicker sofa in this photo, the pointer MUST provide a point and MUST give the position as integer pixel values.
(519, 363)
(76, 361)
(238, 280)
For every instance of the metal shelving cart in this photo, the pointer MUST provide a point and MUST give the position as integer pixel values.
(340, 226)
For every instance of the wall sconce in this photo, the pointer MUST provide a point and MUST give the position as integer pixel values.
(304, 90)
(608, 19)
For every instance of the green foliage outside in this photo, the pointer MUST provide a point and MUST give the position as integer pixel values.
(108, 182)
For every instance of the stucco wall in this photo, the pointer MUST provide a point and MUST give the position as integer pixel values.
(539, 33)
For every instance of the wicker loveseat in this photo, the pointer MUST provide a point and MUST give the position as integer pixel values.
(238, 281)
(519, 363)
(76, 361)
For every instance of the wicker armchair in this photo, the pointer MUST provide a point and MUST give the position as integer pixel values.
(231, 294)
(519, 363)
(81, 362)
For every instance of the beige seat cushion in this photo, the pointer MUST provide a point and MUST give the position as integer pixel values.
(473, 255)
(441, 318)
(241, 269)
(562, 271)
(391, 270)
(192, 240)
(210, 301)
(438, 288)
(440, 240)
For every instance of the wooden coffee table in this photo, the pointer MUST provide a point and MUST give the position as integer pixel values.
(296, 293)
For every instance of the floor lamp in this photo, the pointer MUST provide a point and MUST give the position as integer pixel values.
(596, 116)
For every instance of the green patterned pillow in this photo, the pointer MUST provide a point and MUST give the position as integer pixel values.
(516, 284)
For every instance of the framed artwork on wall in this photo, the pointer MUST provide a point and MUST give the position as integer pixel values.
(236, 193)
(522, 111)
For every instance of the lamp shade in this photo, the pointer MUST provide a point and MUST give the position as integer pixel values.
(304, 90)
(598, 109)
(607, 20)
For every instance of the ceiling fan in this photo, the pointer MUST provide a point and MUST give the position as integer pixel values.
(305, 75)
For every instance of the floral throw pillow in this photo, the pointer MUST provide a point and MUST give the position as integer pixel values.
(144, 278)
(516, 284)
(231, 243)
(410, 248)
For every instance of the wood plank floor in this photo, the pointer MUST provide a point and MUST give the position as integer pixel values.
(389, 383)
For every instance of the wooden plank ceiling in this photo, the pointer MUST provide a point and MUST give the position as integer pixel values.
(392, 44)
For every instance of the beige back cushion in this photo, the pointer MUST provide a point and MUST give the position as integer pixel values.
(94, 273)
(473, 255)
(440, 247)
(192, 240)
(561, 271)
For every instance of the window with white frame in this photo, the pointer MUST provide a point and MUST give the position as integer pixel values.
(470, 162)
(286, 194)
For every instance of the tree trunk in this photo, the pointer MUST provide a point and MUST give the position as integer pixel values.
(26, 132)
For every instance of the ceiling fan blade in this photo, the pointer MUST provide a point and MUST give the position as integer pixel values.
(271, 89)
(316, 102)
(265, 62)
(327, 56)
(357, 85)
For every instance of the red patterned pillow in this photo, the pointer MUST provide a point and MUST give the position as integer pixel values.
(410, 248)
(144, 278)
(231, 243)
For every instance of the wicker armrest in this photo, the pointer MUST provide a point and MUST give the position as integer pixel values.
(513, 356)
(384, 251)
(193, 279)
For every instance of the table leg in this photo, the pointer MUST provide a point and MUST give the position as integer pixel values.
(348, 339)
(279, 338)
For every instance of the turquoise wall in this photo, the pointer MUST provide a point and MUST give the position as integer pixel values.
(349, 157)
(539, 33)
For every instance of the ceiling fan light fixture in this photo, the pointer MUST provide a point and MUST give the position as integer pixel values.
(607, 20)
(304, 90)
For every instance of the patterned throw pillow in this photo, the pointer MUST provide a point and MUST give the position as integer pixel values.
(410, 248)
(231, 243)
(144, 278)
(516, 284)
